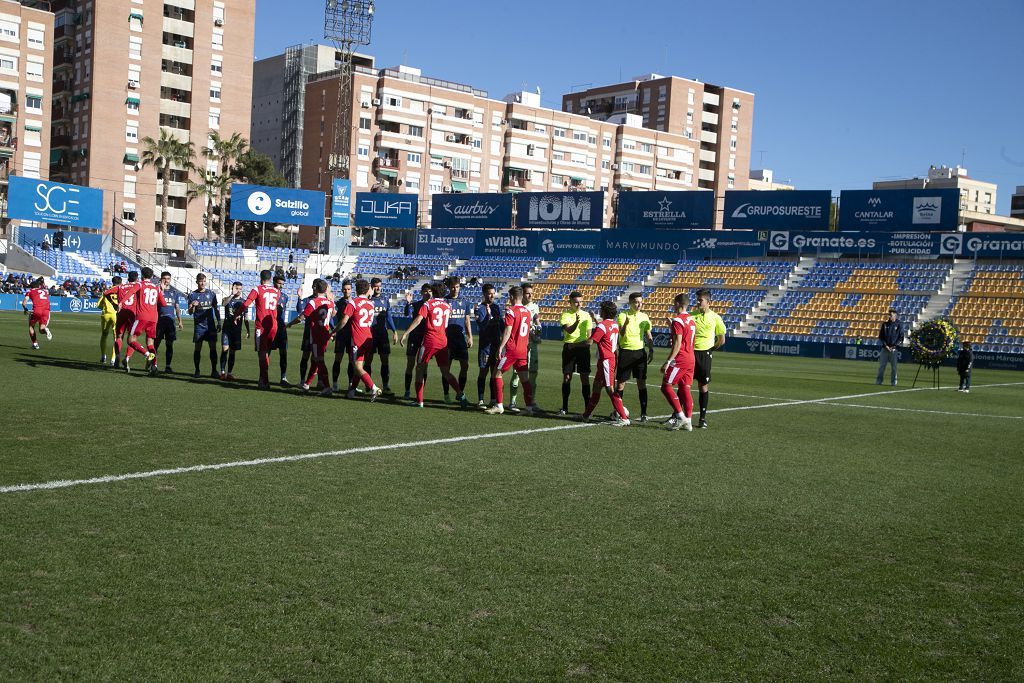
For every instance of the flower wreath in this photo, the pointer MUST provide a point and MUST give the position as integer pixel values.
(934, 342)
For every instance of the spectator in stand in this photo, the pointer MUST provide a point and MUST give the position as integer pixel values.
(293, 274)
(336, 278)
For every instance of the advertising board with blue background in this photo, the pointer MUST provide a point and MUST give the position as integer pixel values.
(31, 199)
(386, 210)
(560, 210)
(341, 202)
(277, 205)
(920, 210)
(785, 209)
(493, 210)
(73, 240)
(667, 210)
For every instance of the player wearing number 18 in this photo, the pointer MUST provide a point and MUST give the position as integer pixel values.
(360, 311)
(434, 314)
(265, 296)
(148, 300)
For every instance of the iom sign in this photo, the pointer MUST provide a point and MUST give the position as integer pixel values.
(560, 209)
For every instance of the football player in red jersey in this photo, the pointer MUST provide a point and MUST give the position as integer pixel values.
(148, 299)
(360, 311)
(606, 336)
(434, 314)
(265, 296)
(40, 316)
(678, 368)
(319, 311)
(513, 353)
(125, 314)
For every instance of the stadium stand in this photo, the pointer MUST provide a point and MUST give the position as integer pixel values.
(282, 256)
(600, 271)
(217, 249)
(989, 309)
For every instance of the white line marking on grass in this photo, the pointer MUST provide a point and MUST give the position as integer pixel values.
(921, 410)
(67, 483)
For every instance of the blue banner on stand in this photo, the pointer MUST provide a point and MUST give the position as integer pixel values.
(783, 209)
(673, 210)
(471, 211)
(453, 243)
(560, 210)
(918, 210)
(384, 210)
(42, 201)
(73, 240)
(277, 205)
(341, 202)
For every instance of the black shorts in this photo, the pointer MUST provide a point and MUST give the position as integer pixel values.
(166, 329)
(203, 333)
(575, 359)
(458, 353)
(343, 342)
(231, 336)
(305, 338)
(632, 363)
(702, 367)
(413, 347)
(280, 339)
(382, 343)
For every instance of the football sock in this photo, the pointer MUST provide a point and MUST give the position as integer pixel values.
(223, 362)
(642, 394)
(566, 391)
(499, 389)
(304, 367)
(619, 408)
(703, 405)
(528, 392)
(385, 373)
(444, 384)
(264, 367)
(367, 380)
(586, 392)
(673, 400)
(515, 387)
(134, 345)
(336, 368)
(32, 334)
(231, 360)
(213, 357)
(117, 342)
(169, 355)
(419, 390)
(454, 384)
(463, 376)
(283, 362)
(481, 382)
(408, 380)
(197, 354)
(687, 399)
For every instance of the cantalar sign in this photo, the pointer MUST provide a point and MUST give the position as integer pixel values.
(560, 210)
(277, 205)
(925, 209)
(777, 209)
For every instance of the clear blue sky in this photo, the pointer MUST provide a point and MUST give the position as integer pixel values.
(846, 92)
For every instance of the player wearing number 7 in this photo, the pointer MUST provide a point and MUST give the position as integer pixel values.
(360, 310)
(435, 314)
(265, 296)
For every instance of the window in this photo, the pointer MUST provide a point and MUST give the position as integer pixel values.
(643, 169)
(606, 142)
(32, 138)
(557, 156)
(627, 166)
(559, 132)
(644, 147)
(556, 179)
(434, 187)
(414, 158)
(605, 164)
(416, 131)
(214, 119)
(135, 20)
(579, 135)
(8, 63)
(628, 144)
(393, 101)
(129, 187)
(218, 40)
(591, 139)
(34, 70)
(412, 184)
(35, 38)
(8, 30)
(218, 15)
(363, 152)
(217, 67)
(135, 47)
(364, 123)
(128, 215)
(34, 102)
(215, 93)
(131, 134)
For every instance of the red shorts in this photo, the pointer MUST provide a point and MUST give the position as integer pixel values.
(505, 363)
(679, 376)
(605, 375)
(41, 319)
(125, 320)
(266, 330)
(146, 327)
(320, 338)
(360, 352)
(438, 353)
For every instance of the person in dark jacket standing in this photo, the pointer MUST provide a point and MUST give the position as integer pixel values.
(964, 362)
(890, 334)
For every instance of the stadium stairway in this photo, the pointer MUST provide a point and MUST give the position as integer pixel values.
(765, 306)
(955, 279)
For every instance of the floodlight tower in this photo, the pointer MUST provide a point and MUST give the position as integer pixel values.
(347, 24)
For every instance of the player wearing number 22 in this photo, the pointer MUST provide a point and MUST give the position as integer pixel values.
(265, 296)
(360, 311)
(434, 314)
(513, 353)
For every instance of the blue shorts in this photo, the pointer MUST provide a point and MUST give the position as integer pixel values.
(203, 333)
(166, 329)
(382, 343)
(280, 339)
(231, 337)
(486, 354)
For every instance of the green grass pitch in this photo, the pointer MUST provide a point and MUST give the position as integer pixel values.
(863, 538)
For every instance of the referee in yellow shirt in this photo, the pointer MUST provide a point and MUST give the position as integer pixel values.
(577, 325)
(636, 349)
(108, 321)
(710, 337)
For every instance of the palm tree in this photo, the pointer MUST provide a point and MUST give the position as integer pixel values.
(226, 151)
(211, 186)
(164, 154)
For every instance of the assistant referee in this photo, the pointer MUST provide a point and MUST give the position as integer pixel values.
(710, 337)
(636, 349)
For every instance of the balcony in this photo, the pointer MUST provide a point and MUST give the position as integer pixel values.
(65, 58)
(386, 162)
(176, 108)
(709, 137)
(177, 54)
(515, 182)
(169, 79)
(174, 189)
(179, 27)
(58, 141)
(9, 112)
(181, 134)
(8, 144)
(184, 4)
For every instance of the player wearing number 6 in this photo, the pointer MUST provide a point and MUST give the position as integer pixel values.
(513, 353)
(360, 310)
(434, 314)
(265, 297)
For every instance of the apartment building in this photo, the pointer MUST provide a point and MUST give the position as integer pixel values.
(125, 69)
(976, 196)
(764, 179)
(1017, 203)
(279, 102)
(26, 84)
(425, 136)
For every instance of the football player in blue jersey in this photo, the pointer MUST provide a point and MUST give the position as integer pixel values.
(202, 305)
(459, 332)
(169, 322)
(382, 324)
(306, 347)
(489, 324)
(415, 339)
(280, 343)
(231, 334)
(343, 336)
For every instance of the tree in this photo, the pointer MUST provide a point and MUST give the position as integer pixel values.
(165, 154)
(257, 168)
(226, 151)
(211, 187)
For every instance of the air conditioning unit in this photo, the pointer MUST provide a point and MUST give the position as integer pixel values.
(447, 188)
(376, 101)
(530, 149)
(449, 138)
(447, 164)
(218, 22)
(615, 167)
(364, 105)
(133, 84)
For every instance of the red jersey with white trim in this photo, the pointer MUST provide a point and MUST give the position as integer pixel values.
(40, 299)
(265, 297)
(319, 311)
(147, 300)
(606, 336)
(126, 295)
(685, 327)
(360, 311)
(518, 318)
(435, 313)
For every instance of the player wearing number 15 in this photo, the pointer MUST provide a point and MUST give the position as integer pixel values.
(265, 296)
(513, 353)
(434, 314)
(360, 311)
